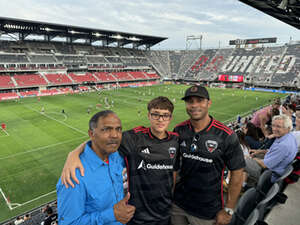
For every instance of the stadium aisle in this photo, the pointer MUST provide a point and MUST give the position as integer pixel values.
(288, 213)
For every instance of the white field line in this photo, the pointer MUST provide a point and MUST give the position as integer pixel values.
(6, 133)
(65, 116)
(41, 148)
(6, 200)
(32, 200)
(12, 206)
(67, 125)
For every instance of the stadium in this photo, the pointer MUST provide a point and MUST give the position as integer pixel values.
(54, 77)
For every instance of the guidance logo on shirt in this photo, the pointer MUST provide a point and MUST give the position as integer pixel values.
(149, 166)
(172, 152)
(211, 145)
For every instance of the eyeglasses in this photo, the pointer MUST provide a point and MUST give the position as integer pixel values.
(276, 126)
(157, 116)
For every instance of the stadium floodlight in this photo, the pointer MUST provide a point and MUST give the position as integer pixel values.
(97, 34)
(193, 38)
(117, 36)
(134, 39)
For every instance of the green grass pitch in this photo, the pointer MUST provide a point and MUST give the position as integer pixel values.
(34, 147)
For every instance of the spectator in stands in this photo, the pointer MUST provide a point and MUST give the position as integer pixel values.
(296, 132)
(26, 217)
(206, 146)
(19, 220)
(244, 145)
(150, 153)
(281, 153)
(251, 136)
(51, 216)
(99, 197)
(290, 110)
(262, 117)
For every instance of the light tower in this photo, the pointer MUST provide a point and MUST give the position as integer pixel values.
(190, 38)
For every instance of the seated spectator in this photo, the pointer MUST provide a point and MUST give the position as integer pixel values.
(244, 145)
(290, 110)
(296, 132)
(281, 153)
(251, 136)
(51, 217)
(26, 217)
(19, 220)
(262, 117)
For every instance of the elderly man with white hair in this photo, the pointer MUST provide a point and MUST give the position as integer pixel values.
(281, 153)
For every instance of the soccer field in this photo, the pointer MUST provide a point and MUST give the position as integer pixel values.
(35, 144)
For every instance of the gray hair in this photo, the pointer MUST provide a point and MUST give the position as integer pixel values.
(95, 118)
(287, 121)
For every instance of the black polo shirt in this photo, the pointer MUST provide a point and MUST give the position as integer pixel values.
(202, 159)
(150, 172)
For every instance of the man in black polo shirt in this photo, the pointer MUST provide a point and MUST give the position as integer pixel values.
(206, 147)
(149, 154)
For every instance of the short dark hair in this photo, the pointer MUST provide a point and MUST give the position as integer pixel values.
(161, 102)
(95, 118)
(252, 131)
(49, 210)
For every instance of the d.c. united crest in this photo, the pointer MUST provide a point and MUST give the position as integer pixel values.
(211, 145)
(172, 152)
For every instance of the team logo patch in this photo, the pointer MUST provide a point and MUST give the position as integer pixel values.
(172, 152)
(211, 145)
(194, 89)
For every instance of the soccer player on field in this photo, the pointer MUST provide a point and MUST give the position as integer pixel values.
(149, 153)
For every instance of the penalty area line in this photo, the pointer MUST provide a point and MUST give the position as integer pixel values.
(32, 200)
(61, 122)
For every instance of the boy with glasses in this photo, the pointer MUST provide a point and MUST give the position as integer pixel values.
(149, 154)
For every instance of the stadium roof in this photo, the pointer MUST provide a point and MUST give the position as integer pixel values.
(288, 11)
(49, 31)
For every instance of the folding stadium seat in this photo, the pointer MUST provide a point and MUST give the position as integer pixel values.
(247, 203)
(265, 205)
(294, 176)
(253, 218)
(264, 184)
(286, 173)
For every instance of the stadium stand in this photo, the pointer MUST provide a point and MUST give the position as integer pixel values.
(81, 78)
(105, 76)
(30, 80)
(138, 75)
(122, 76)
(8, 96)
(41, 58)
(58, 78)
(6, 82)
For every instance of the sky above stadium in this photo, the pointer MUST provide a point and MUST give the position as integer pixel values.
(218, 21)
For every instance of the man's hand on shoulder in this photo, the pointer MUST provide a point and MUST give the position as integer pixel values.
(124, 212)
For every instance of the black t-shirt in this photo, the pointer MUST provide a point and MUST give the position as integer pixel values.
(201, 161)
(50, 219)
(150, 173)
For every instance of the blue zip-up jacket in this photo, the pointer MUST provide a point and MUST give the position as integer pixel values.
(91, 202)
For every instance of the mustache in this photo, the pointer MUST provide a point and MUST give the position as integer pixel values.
(113, 142)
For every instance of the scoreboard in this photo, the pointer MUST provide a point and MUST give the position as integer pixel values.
(231, 78)
(253, 41)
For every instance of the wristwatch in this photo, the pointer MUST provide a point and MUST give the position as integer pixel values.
(229, 211)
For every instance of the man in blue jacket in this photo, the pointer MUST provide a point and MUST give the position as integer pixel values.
(99, 198)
